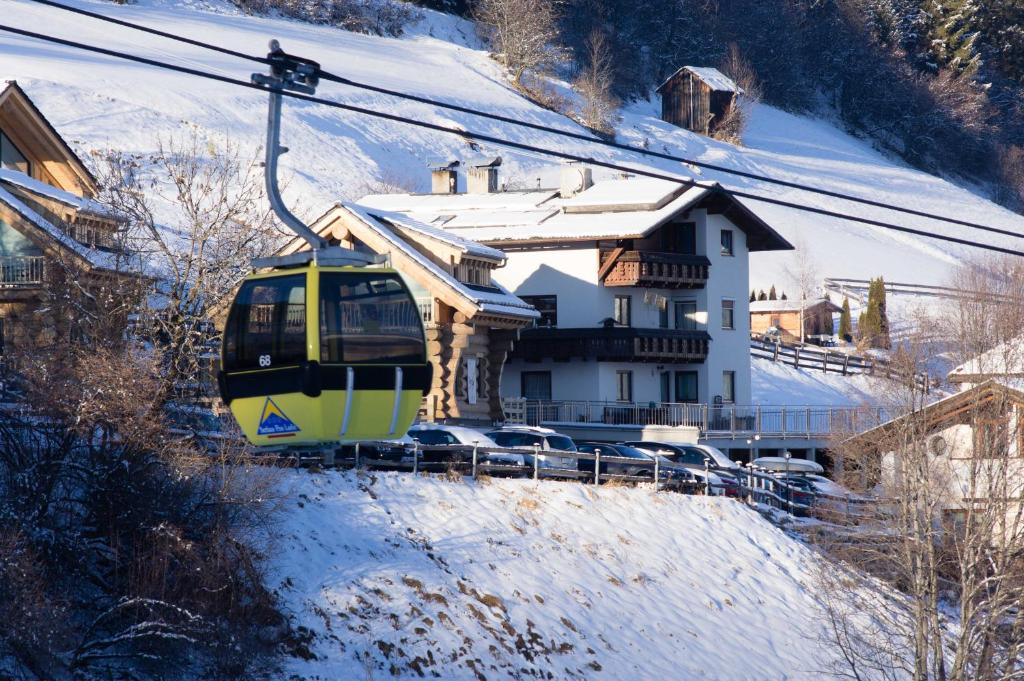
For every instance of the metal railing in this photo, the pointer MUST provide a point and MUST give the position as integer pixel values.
(17, 271)
(725, 420)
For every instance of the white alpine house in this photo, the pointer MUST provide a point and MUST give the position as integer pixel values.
(642, 284)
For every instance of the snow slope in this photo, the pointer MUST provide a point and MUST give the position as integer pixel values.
(99, 102)
(779, 383)
(397, 574)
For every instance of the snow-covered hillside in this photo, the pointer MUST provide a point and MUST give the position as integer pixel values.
(414, 576)
(99, 102)
(780, 383)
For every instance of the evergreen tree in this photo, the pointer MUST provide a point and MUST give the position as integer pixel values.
(783, 296)
(762, 295)
(845, 322)
(883, 318)
(753, 295)
(771, 293)
(954, 35)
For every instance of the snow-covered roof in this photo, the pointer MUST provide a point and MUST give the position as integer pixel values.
(610, 209)
(714, 78)
(790, 305)
(96, 258)
(493, 300)
(49, 191)
(473, 249)
(1006, 360)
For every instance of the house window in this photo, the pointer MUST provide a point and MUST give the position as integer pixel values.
(11, 157)
(679, 238)
(624, 386)
(547, 306)
(728, 386)
(536, 385)
(624, 310)
(666, 386)
(728, 314)
(727, 242)
(686, 386)
(686, 315)
(663, 314)
(471, 370)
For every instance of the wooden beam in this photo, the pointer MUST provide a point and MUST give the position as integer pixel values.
(610, 262)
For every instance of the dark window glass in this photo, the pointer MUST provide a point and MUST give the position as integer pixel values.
(663, 314)
(666, 386)
(433, 437)
(368, 318)
(562, 443)
(536, 385)
(728, 314)
(547, 306)
(727, 242)
(512, 439)
(686, 315)
(693, 455)
(624, 310)
(267, 324)
(624, 382)
(729, 386)
(686, 386)
(679, 238)
(11, 157)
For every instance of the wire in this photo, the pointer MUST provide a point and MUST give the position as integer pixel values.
(330, 77)
(496, 140)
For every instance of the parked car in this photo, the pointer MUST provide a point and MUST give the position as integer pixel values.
(695, 457)
(798, 490)
(382, 454)
(438, 434)
(531, 438)
(669, 472)
(772, 334)
(780, 464)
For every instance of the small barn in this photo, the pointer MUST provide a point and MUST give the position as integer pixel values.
(697, 98)
(785, 316)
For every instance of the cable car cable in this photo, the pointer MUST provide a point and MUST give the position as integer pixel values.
(331, 77)
(498, 141)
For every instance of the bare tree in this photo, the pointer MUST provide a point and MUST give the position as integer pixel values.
(523, 33)
(594, 85)
(949, 536)
(197, 216)
(804, 273)
(736, 66)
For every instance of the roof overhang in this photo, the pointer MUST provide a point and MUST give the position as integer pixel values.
(760, 235)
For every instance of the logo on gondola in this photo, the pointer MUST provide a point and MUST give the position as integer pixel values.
(274, 422)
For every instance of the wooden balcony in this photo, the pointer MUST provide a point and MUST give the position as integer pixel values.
(653, 269)
(612, 344)
(21, 271)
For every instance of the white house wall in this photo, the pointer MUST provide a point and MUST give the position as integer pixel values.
(583, 302)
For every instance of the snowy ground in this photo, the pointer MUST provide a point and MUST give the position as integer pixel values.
(779, 383)
(99, 102)
(396, 574)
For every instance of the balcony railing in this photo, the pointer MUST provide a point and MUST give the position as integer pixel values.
(713, 421)
(656, 270)
(21, 271)
(612, 344)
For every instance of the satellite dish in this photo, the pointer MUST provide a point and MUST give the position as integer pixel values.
(937, 445)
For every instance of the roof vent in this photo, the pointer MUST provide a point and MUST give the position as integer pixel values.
(576, 178)
(483, 175)
(444, 178)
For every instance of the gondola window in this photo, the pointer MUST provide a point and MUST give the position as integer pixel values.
(268, 324)
(368, 318)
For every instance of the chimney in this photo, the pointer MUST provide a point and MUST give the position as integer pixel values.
(483, 175)
(576, 178)
(444, 179)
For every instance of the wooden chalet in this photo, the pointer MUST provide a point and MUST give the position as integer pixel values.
(785, 316)
(471, 322)
(48, 220)
(697, 98)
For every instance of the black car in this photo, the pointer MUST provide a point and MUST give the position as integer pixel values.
(693, 458)
(643, 466)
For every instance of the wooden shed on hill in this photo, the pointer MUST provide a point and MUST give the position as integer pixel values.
(697, 98)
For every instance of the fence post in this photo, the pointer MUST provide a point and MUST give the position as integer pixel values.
(707, 477)
(808, 417)
(597, 466)
(846, 364)
(476, 446)
(796, 356)
(783, 422)
(775, 355)
(357, 457)
(657, 472)
(415, 457)
(536, 460)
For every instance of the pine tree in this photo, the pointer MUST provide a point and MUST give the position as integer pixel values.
(783, 296)
(753, 295)
(883, 318)
(954, 34)
(762, 295)
(771, 293)
(845, 332)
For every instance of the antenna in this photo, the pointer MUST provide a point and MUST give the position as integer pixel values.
(295, 74)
